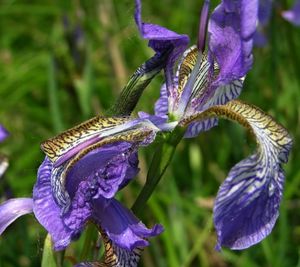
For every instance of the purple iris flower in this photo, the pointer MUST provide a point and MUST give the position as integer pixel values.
(87, 165)
(91, 185)
(75, 186)
(204, 89)
(293, 15)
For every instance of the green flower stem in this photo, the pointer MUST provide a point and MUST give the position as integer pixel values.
(88, 244)
(48, 258)
(160, 162)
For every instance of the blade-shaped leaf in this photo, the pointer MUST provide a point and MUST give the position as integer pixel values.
(48, 259)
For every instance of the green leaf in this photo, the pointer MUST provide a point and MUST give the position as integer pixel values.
(48, 259)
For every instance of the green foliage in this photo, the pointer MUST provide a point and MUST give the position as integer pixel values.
(52, 79)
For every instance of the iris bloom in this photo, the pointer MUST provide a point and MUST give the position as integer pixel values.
(204, 88)
(83, 169)
(77, 182)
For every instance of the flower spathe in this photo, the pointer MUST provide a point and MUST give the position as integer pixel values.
(246, 207)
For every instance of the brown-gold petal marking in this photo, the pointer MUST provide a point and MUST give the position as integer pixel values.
(57, 146)
(251, 117)
(131, 136)
(115, 256)
(58, 180)
(118, 257)
(186, 67)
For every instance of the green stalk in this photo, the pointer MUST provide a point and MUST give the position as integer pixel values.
(88, 244)
(136, 85)
(48, 258)
(160, 162)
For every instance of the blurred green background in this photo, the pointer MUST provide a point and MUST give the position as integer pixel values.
(64, 61)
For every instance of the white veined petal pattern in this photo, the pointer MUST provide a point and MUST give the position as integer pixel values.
(60, 148)
(246, 207)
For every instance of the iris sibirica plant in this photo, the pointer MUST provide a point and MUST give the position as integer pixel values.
(87, 165)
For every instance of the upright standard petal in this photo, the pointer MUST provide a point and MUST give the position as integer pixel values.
(3, 133)
(201, 95)
(12, 209)
(264, 15)
(246, 207)
(293, 15)
(161, 40)
(231, 30)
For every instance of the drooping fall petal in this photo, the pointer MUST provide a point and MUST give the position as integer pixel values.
(12, 209)
(247, 204)
(121, 226)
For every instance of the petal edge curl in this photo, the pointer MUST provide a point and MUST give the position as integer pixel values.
(246, 207)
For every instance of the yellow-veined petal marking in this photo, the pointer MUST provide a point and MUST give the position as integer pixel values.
(115, 256)
(59, 145)
(136, 135)
(251, 117)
